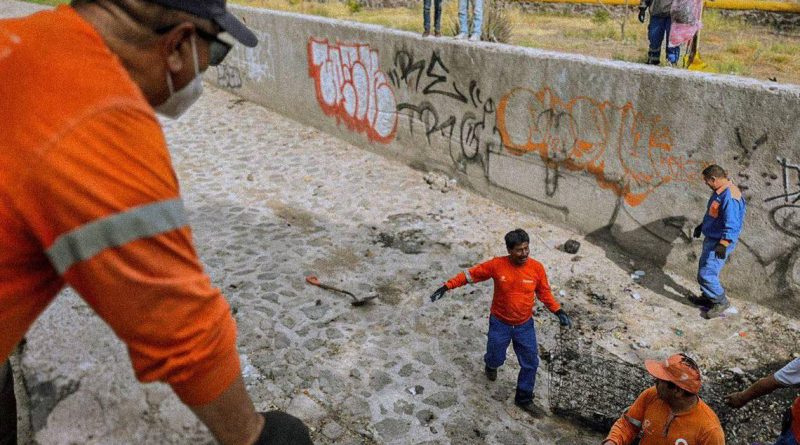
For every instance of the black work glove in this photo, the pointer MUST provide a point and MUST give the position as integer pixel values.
(642, 14)
(720, 250)
(439, 293)
(698, 231)
(563, 318)
(283, 429)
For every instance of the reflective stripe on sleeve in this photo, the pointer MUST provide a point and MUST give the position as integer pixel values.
(469, 277)
(88, 240)
(634, 422)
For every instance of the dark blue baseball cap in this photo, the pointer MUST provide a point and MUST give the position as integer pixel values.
(214, 10)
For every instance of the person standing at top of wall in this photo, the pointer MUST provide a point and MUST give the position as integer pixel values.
(463, 20)
(658, 30)
(89, 197)
(518, 280)
(437, 18)
(788, 376)
(669, 412)
(721, 226)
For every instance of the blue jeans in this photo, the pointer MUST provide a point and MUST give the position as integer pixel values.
(437, 15)
(787, 438)
(477, 17)
(657, 33)
(523, 338)
(709, 269)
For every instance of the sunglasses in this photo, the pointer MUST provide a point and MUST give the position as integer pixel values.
(219, 45)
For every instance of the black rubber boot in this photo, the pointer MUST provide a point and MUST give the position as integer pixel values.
(8, 407)
(283, 429)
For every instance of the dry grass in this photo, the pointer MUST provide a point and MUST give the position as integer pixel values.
(728, 46)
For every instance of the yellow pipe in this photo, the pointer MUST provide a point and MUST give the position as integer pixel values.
(757, 5)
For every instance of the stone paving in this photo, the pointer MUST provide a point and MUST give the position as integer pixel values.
(272, 201)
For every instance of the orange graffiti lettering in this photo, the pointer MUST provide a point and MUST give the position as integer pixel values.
(626, 151)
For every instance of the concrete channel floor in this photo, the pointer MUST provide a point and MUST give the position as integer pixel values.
(270, 202)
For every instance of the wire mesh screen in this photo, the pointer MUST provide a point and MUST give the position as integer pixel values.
(589, 384)
(593, 387)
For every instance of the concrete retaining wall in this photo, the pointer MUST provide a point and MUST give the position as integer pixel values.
(612, 149)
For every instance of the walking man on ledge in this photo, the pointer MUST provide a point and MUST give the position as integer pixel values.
(721, 226)
(518, 280)
(89, 197)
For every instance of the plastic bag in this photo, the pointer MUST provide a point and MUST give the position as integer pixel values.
(686, 21)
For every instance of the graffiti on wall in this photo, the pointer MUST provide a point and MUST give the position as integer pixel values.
(350, 86)
(229, 77)
(627, 152)
(255, 63)
(786, 214)
(467, 130)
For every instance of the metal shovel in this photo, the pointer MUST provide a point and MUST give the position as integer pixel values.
(312, 279)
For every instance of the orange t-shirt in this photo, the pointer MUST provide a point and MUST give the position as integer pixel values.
(84, 168)
(652, 419)
(515, 287)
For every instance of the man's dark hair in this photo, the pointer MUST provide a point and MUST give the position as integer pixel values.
(714, 170)
(515, 238)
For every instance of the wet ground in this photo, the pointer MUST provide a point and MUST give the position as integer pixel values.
(271, 201)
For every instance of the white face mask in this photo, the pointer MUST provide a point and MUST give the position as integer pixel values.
(179, 101)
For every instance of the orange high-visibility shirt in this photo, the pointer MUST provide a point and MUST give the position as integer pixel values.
(515, 287)
(89, 199)
(652, 418)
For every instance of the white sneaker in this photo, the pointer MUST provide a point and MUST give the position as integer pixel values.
(475, 38)
(461, 36)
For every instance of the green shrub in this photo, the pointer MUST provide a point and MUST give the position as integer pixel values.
(601, 16)
(353, 6)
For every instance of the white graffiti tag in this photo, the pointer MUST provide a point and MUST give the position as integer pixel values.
(255, 64)
(350, 86)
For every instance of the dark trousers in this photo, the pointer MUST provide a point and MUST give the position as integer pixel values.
(658, 35)
(523, 338)
(8, 407)
(437, 15)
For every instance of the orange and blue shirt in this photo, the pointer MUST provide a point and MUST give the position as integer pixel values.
(724, 214)
(515, 287)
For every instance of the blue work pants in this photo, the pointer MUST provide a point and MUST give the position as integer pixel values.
(658, 34)
(437, 15)
(477, 17)
(709, 269)
(523, 337)
(787, 438)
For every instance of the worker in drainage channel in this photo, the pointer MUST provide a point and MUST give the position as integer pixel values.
(670, 412)
(518, 280)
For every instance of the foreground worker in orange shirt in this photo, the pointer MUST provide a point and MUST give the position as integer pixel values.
(89, 197)
(671, 412)
(518, 280)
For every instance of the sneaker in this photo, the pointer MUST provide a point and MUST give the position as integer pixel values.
(701, 300)
(491, 373)
(532, 409)
(437, 33)
(475, 38)
(426, 33)
(460, 36)
(716, 310)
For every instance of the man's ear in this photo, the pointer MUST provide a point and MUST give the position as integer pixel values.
(176, 45)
